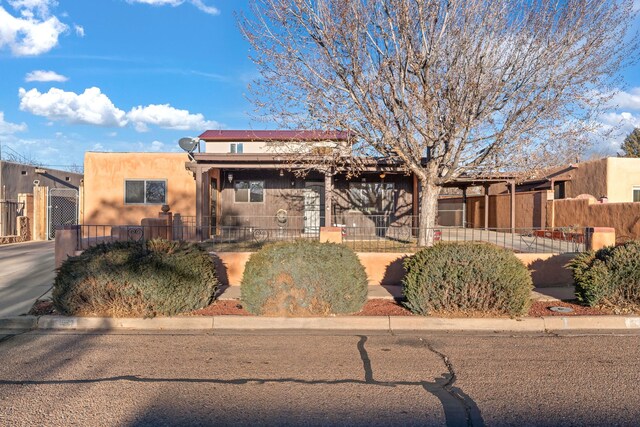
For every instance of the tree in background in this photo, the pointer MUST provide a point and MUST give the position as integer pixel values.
(631, 144)
(445, 88)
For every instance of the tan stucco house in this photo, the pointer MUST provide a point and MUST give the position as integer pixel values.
(240, 180)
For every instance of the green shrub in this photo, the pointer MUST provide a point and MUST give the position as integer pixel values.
(610, 276)
(467, 277)
(304, 278)
(157, 277)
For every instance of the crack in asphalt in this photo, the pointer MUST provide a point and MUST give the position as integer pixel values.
(453, 398)
(459, 408)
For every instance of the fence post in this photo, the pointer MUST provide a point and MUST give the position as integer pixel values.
(599, 237)
(331, 234)
(66, 242)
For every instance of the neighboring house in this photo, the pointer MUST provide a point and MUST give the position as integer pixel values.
(17, 183)
(241, 181)
(615, 178)
(598, 193)
(16, 178)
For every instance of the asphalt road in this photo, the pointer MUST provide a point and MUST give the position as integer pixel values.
(26, 272)
(143, 379)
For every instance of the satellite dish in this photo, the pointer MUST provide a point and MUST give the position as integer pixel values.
(188, 144)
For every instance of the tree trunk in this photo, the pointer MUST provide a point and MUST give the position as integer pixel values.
(429, 193)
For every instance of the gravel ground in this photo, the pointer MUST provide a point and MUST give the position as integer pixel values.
(376, 307)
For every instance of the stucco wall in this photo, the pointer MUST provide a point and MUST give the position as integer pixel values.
(588, 178)
(624, 217)
(622, 175)
(105, 174)
(547, 270)
(17, 178)
(247, 147)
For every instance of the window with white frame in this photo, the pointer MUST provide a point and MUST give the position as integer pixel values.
(372, 197)
(236, 148)
(145, 191)
(636, 193)
(249, 191)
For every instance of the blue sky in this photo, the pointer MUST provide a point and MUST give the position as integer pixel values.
(136, 75)
(110, 75)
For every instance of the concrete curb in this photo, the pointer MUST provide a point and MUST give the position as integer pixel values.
(19, 322)
(407, 323)
(356, 323)
(591, 322)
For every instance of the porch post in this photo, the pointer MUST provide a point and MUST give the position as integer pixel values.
(328, 196)
(513, 206)
(486, 207)
(199, 202)
(464, 207)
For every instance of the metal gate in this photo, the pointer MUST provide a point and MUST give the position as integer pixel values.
(62, 209)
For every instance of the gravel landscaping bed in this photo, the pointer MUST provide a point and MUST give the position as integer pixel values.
(373, 307)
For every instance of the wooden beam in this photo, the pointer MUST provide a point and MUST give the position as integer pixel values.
(486, 207)
(512, 185)
(328, 196)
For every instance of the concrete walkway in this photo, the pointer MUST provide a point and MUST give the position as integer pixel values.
(26, 273)
(395, 292)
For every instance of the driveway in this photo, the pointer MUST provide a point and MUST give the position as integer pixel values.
(26, 273)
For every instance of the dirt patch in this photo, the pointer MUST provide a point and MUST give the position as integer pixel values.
(541, 308)
(383, 307)
(373, 307)
(222, 308)
(42, 307)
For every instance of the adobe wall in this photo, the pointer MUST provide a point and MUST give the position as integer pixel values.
(624, 217)
(588, 178)
(104, 176)
(547, 270)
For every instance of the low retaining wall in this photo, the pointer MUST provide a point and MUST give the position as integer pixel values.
(547, 270)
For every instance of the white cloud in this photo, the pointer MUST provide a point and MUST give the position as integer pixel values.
(95, 108)
(7, 128)
(200, 4)
(44, 76)
(79, 29)
(90, 107)
(34, 32)
(157, 145)
(167, 117)
(628, 100)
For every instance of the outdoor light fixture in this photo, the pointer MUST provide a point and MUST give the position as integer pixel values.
(281, 172)
(382, 175)
(230, 177)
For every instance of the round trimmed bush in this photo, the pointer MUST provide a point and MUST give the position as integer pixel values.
(157, 277)
(303, 278)
(467, 277)
(610, 276)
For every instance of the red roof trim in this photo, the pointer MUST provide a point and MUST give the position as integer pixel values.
(272, 135)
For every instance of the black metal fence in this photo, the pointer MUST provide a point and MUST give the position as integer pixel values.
(372, 233)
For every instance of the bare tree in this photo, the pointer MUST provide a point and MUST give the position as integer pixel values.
(446, 88)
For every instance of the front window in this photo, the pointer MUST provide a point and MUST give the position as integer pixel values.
(249, 191)
(236, 148)
(145, 192)
(636, 194)
(372, 197)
